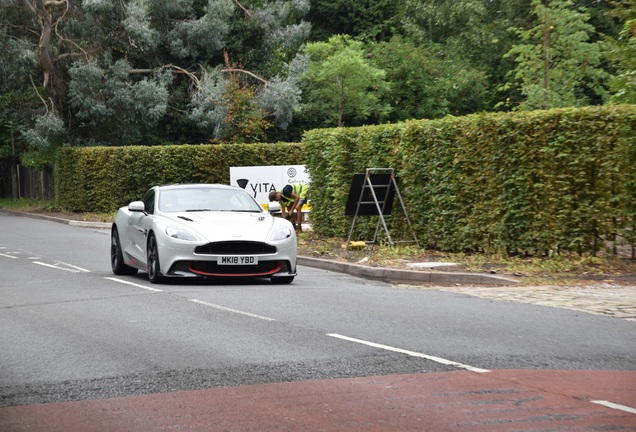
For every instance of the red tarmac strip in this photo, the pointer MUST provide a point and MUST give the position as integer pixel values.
(503, 400)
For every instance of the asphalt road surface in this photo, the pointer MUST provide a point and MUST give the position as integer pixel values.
(84, 350)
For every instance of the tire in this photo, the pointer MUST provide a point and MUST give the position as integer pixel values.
(284, 280)
(117, 257)
(152, 254)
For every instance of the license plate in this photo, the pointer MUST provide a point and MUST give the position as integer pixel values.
(237, 260)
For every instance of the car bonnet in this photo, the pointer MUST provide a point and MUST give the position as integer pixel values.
(219, 226)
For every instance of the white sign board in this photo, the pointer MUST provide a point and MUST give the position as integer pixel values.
(259, 181)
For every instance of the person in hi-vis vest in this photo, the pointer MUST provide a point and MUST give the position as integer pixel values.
(291, 198)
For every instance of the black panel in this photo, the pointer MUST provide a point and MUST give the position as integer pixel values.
(235, 248)
(384, 192)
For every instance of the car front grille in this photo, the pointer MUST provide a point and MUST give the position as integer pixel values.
(235, 248)
(210, 268)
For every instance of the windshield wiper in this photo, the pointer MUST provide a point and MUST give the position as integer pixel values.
(198, 210)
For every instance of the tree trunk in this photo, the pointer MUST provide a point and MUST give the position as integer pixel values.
(46, 24)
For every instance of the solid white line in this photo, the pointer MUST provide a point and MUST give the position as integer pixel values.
(8, 256)
(55, 267)
(223, 308)
(133, 284)
(615, 406)
(411, 353)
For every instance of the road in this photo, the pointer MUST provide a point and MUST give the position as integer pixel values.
(81, 349)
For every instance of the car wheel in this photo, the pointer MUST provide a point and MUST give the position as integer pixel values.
(282, 280)
(117, 257)
(154, 269)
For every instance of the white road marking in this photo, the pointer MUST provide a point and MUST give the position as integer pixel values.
(133, 284)
(615, 406)
(72, 266)
(8, 256)
(56, 267)
(411, 353)
(60, 265)
(223, 308)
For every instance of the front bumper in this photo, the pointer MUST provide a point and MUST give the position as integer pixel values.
(183, 261)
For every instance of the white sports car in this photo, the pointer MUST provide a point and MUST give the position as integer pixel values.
(205, 230)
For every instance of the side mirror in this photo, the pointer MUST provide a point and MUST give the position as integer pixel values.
(273, 207)
(136, 206)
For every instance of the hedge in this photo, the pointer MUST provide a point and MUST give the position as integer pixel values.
(102, 179)
(530, 182)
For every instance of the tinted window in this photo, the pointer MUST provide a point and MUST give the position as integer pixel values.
(149, 201)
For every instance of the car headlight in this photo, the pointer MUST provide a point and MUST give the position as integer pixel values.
(180, 233)
(282, 231)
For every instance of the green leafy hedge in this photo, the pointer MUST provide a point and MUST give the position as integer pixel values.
(102, 179)
(529, 182)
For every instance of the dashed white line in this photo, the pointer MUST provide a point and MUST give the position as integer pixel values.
(8, 256)
(411, 353)
(56, 267)
(223, 308)
(60, 265)
(72, 266)
(615, 406)
(133, 284)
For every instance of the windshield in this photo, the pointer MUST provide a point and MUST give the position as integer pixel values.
(207, 199)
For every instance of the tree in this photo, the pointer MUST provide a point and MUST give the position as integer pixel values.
(340, 85)
(622, 53)
(131, 71)
(427, 85)
(113, 108)
(557, 66)
(244, 121)
(471, 34)
(361, 19)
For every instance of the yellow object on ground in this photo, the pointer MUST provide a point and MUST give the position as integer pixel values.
(356, 245)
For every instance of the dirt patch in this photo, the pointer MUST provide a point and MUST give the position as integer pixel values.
(573, 270)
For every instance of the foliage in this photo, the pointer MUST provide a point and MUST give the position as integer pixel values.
(341, 86)
(622, 52)
(47, 136)
(526, 183)
(439, 20)
(470, 37)
(207, 108)
(130, 72)
(244, 121)
(365, 19)
(426, 85)
(102, 179)
(139, 72)
(112, 108)
(20, 100)
(557, 65)
(532, 183)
